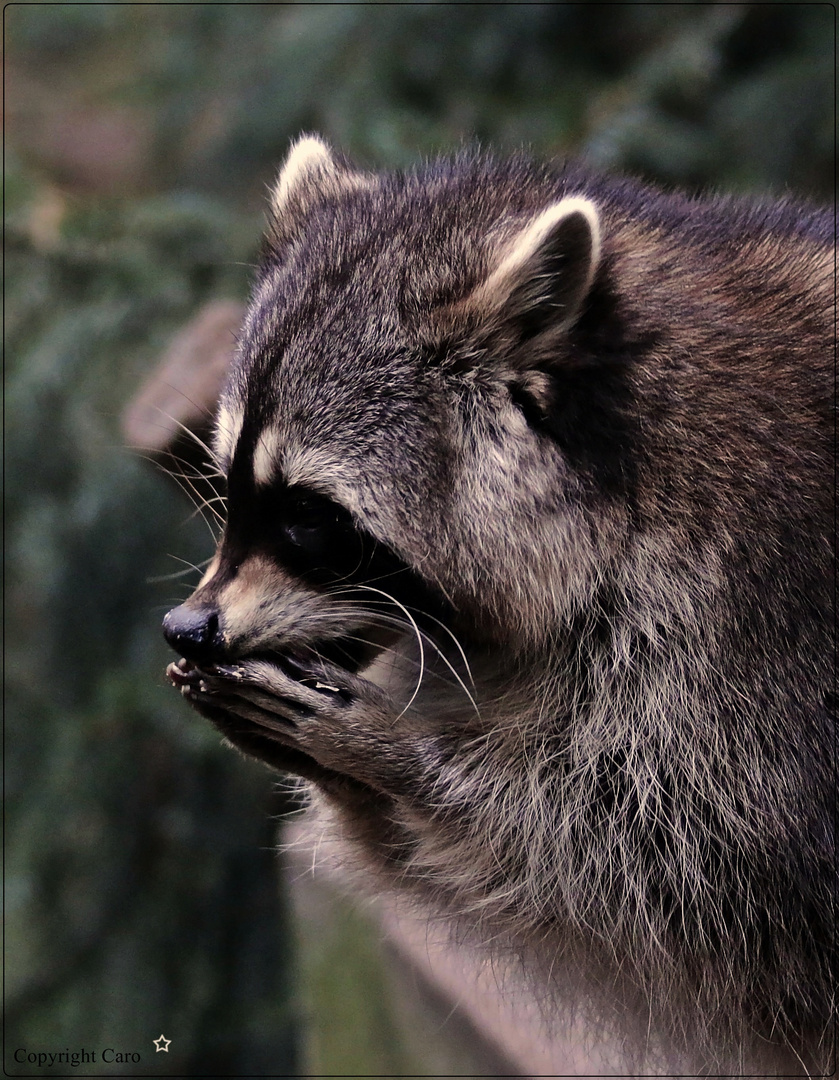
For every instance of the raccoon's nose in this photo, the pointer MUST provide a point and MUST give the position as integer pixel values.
(194, 633)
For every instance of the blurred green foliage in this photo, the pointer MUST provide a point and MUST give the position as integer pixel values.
(140, 890)
(728, 94)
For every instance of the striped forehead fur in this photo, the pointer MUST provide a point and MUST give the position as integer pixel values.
(229, 420)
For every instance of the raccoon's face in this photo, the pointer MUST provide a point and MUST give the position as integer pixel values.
(383, 434)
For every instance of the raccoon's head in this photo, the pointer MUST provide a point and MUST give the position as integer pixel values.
(392, 432)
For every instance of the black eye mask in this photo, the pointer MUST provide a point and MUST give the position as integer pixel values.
(319, 542)
(311, 535)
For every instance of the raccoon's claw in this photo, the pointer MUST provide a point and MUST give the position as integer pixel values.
(186, 673)
(183, 674)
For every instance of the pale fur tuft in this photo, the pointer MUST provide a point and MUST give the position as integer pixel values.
(311, 174)
(309, 160)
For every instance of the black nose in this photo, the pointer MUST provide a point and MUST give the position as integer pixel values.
(194, 633)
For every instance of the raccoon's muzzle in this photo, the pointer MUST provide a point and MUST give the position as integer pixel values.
(195, 634)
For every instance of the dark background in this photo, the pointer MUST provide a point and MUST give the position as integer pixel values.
(141, 886)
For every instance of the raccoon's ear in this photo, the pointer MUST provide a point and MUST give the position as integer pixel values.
(311, 174)
(545, 271)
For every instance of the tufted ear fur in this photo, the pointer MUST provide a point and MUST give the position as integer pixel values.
(311, 174)
(544, 273)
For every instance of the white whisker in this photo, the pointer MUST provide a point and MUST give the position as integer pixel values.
(199, 442)
(189, 568)
(459, 647)
(412, 621)
(386, 620)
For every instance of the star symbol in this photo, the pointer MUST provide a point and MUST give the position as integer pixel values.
(161, 1044)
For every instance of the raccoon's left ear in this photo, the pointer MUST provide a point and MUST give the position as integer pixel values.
(310, 175)
(545, 271)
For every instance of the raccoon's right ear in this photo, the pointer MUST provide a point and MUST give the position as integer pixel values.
(544, 273)
(310, 175)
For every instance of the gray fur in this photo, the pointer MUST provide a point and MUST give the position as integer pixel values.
(605, 447)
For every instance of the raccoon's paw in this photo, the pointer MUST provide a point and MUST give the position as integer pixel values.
(337, 719)
(273, 694)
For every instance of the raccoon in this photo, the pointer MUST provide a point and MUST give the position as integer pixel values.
(527, 571)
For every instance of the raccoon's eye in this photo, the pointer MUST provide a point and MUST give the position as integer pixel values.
(314, 536)
(311, 521)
